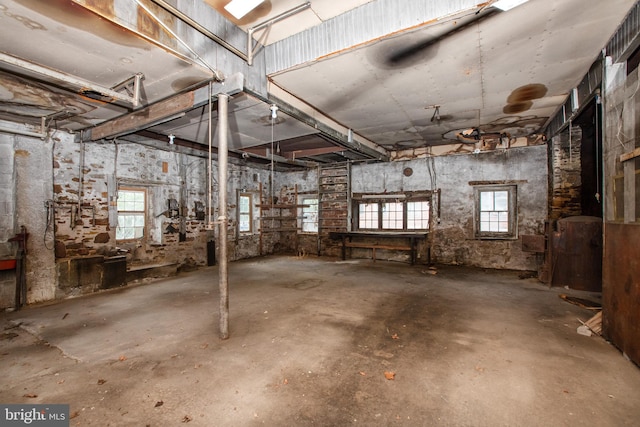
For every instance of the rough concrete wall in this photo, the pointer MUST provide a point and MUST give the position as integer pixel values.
(7, 218)
(33, 183)
(565, 180)
(452, 237)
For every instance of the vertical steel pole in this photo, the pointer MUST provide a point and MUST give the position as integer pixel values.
(223, 128)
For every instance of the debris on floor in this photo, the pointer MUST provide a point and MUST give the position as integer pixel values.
(592, 325)
(430, 270)
(8, 336)
(528, 275)
(390, 375)
(583, 330)
(584, 303)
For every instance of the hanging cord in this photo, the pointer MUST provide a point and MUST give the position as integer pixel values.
(274, 115)
(50, 204)
(210, 189)
(570, 143)
(597, 136)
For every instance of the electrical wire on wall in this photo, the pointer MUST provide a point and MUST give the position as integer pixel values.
(597, 136)
(431, 169)
(209, 177)
(274, 115)
(570, 143)
(49, 204)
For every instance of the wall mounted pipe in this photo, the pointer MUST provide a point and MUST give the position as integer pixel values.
(284, 15)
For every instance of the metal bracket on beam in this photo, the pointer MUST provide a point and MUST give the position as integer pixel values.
(250, 48)
(16, 129)
(132, 86)
(83, 85)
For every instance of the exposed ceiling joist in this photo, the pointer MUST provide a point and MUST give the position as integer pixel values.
(164, 110)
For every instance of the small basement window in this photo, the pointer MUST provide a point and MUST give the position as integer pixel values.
(132, 206)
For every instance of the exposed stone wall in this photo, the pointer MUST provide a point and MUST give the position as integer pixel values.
(565, 185)
(65, 194)
(290, 184)
(452, 235)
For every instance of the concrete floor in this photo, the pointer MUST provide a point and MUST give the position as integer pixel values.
(311, 340)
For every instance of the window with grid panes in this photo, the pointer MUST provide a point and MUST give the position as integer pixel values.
(495, 212)
(393, 214)
(309, 214)
(368, 216)
(131, 214)
(418, 215)
(244, 213)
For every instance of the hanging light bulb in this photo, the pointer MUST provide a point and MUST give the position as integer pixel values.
(274, 111)
(171, 138)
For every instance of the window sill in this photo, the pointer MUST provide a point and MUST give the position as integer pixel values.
(509, 238)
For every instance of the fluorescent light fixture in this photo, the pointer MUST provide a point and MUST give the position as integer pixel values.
(507, 4)
(239, 8)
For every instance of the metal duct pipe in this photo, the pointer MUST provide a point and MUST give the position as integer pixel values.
(202, 30)
(223, 276)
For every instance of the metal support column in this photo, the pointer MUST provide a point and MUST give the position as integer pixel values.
(223, 128)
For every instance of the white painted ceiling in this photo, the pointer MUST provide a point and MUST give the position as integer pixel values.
(500, 72)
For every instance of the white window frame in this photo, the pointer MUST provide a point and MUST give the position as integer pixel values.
(486, 216)
(378, 216)
(308, 222)
(131, 210)
(242, 214)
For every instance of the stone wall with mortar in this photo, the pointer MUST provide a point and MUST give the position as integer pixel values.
(565, 185)
(303, 183)
(95, 170)
(452, 237)
(64, 193)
